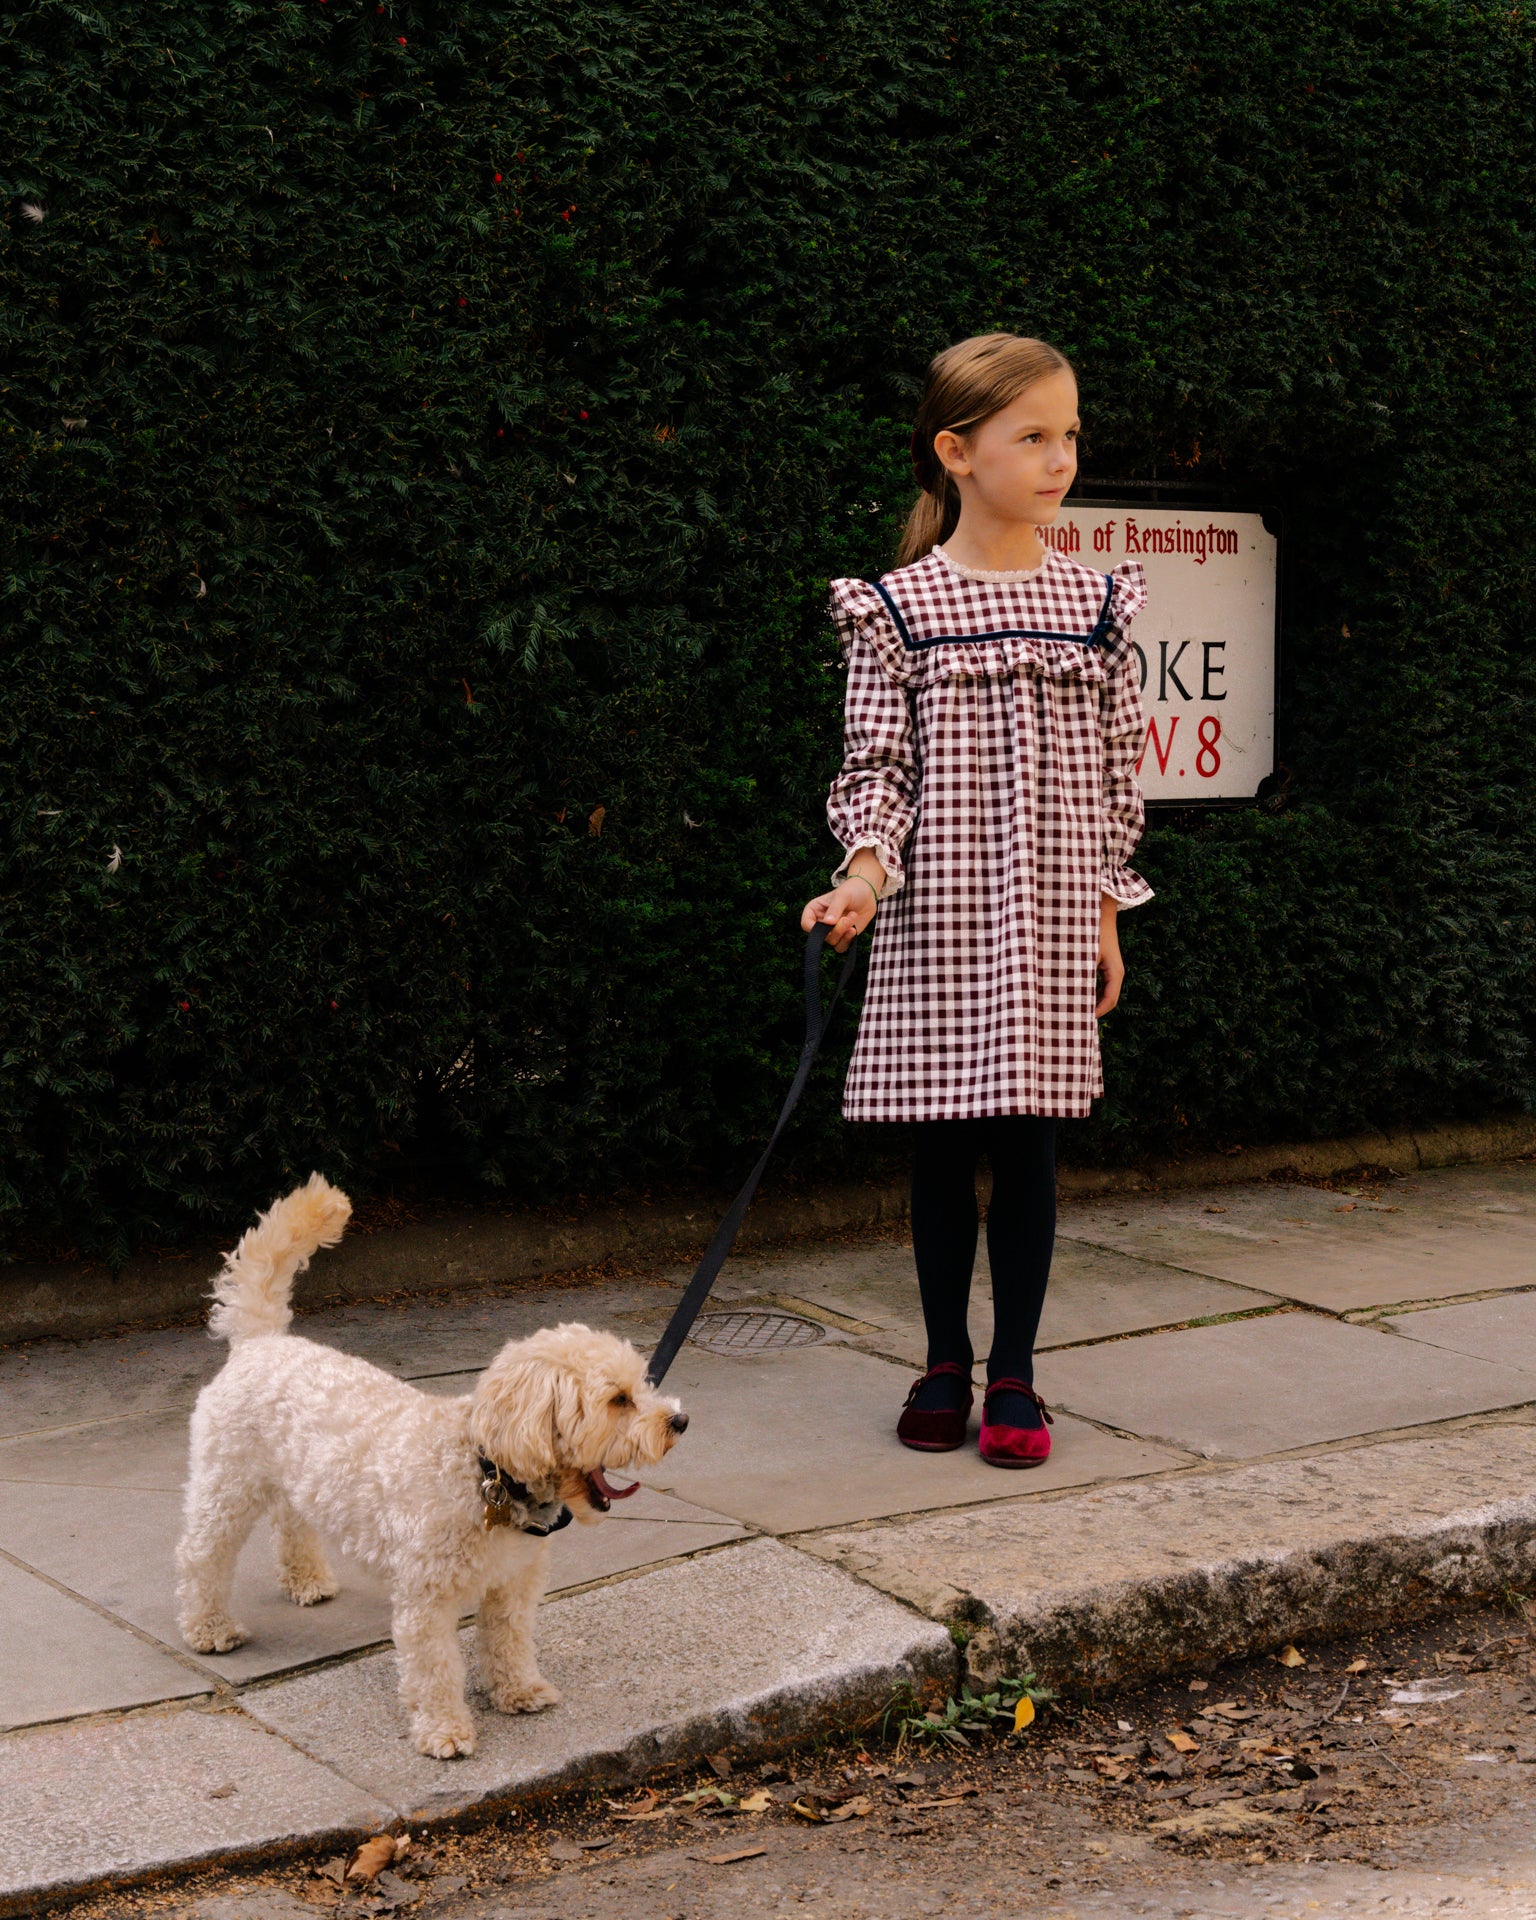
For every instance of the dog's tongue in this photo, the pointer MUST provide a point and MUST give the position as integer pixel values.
(601, 1487)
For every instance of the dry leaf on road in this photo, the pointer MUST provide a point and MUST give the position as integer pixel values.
(730, 1859)
(720, 1764)
(1358, 1666)
(370, 1859)
(1182, 1742)
(758, 1802)
(1023, 1714)
(1289, 1657)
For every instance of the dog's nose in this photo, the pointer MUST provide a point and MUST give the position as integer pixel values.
(679, 1423)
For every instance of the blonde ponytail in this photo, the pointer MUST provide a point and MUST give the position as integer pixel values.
(967, 384)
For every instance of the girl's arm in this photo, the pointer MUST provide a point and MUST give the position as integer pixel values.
(873, 801)
(1122, 727)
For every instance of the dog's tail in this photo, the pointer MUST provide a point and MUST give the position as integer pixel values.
(253, 1294)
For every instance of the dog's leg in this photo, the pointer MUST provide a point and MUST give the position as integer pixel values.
(303, 1572)
(219, 1516)
(505, 1629)
(432, 1674)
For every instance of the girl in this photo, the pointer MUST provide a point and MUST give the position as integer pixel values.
(988, 797)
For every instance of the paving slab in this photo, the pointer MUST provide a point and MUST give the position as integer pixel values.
(82, 1803)
(1095, 1294)
(1502, 1329)
(1183, 1571)
(1268, 1385)
(751, 1646)
(1455, 1231)
(61, 1526)
(59, 1657)
(807, 1438)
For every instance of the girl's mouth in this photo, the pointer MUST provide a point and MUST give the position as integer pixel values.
(602, 1495)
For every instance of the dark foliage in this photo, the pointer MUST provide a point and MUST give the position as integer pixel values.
(428, 431)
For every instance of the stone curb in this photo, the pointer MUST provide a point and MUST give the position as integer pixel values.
(1182, 1571)
(74, 1299)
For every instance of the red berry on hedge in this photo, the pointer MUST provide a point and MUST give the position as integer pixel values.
(401, 38)
(583, 413)
(498, 179)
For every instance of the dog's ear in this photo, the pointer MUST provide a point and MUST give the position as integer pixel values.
(523, 1414)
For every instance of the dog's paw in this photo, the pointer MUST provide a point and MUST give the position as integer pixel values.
(215, 1634)
(526, 1698)
(309, 1590)
(444, 1741)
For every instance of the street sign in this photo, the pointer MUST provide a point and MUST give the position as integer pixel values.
(1205, 645)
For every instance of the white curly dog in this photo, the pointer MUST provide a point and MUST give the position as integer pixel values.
(449, 1500)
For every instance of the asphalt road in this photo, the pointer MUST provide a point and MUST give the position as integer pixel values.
(1406, 1786)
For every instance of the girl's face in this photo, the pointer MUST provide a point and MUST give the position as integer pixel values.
(1017, 465)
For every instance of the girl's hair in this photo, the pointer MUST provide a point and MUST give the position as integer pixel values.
(967, 383)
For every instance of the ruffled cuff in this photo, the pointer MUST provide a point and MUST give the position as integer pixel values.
(890, 859)
(1121, 884)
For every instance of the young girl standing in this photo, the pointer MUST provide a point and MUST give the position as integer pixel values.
(988, 804)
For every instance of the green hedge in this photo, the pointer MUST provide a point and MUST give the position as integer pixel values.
(428, 431)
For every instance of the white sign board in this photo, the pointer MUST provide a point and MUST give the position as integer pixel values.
(1205, 643)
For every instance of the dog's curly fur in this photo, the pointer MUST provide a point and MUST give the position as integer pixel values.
(331, 1446)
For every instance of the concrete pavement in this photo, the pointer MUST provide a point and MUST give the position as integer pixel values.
(1281, 1409)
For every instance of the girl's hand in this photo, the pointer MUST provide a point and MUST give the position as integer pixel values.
(1111, 966)
(847, 909)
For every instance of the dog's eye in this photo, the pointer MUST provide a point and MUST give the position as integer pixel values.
(620, 1400)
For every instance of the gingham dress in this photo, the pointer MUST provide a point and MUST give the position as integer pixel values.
(993, 723)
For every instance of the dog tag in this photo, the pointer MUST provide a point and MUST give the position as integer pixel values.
(498, 1504)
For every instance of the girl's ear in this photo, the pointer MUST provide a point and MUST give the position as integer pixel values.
(951, 452)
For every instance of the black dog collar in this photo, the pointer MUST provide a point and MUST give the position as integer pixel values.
(509, 1503)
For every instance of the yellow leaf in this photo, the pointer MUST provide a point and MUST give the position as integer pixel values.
(1182, 1743)
(1357, 1666)
(1289, 1657)
(758, 1802)
(1023, 1714)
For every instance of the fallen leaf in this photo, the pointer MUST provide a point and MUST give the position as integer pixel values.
(730, 1859)
(1109, 1767)
(1182, 1742)
(1349, 1207)
(758, 1802)
(334, 1870)
(226, 1792)
(399, 1893)
(1198, 1686)
(805, 1812)
(651, 1813)
(370, 1859)
(720, 1763)
(916, 1778)
(595, 821)
(587, 1846)
(1358, 1666)
(648, 1799)
(1023, 1714)
(854, 1809)
(1215, 1209)
(563, 1849)
(1289, 1657)
(946, 1800)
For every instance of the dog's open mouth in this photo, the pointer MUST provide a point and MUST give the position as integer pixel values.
(602, 1495)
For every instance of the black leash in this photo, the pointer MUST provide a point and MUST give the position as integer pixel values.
(708, 1270)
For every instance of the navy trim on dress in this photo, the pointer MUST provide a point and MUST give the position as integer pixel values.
(912, 645)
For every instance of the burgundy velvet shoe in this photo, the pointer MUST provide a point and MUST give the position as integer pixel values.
(937, 1429)
(1014, 1446)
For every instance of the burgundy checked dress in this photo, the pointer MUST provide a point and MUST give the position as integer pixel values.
(993, 723)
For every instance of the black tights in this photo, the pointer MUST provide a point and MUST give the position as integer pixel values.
(1021, 1230)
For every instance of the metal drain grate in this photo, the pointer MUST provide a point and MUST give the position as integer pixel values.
(755, 1332)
